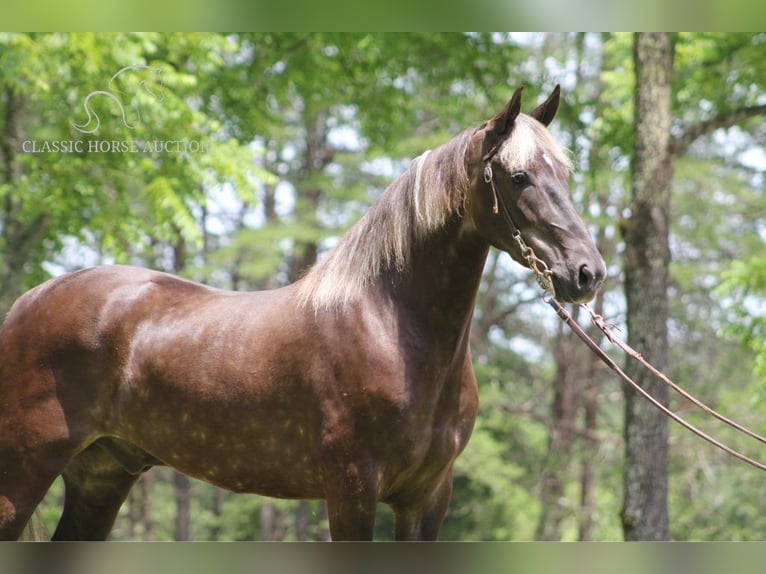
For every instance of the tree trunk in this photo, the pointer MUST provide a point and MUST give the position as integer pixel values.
(567, 381)
(133, 514)
(268, 520)
(147, 517)
(587, 476)
(302, 520)
(647, 259)
(35, 530)
(594, 373)
(182, 488)
(18, 238)
(218, 499)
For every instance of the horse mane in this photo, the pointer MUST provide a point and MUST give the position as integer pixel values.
(416, 204)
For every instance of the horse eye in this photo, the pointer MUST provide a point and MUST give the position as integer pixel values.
(520, 178)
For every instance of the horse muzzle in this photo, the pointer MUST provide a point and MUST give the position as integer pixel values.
(580, 283)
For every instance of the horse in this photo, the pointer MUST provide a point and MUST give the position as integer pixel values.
(353, 385)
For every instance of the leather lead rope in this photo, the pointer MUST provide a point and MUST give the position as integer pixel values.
(599, 322)
(609, 362)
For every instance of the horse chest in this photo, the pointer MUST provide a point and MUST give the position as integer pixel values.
(424, 443)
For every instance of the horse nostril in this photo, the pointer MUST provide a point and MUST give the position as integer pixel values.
(588, 278)
(585, 279)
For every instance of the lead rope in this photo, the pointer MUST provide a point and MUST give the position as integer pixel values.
(543, 275)
(599, 322)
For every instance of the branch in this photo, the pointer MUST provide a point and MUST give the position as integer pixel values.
(681, 143)
(547, 421)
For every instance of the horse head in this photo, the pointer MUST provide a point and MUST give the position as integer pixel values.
(519, 197)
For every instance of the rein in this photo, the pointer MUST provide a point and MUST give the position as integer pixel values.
(543, 275)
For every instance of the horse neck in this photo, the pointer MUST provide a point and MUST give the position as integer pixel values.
(439, 284)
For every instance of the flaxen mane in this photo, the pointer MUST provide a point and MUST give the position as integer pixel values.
(419, 202)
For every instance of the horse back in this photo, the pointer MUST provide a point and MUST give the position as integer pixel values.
(79, 309)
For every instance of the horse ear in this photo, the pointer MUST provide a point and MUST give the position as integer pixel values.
(545, 112)
(504, 120)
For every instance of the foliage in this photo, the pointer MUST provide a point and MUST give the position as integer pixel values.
(746, 281)
(100, 190)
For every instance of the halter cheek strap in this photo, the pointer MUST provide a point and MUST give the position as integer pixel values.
(497, 197)
(489, 178)
(543, 274)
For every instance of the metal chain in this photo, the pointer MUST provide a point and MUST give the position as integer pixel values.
(543, 274)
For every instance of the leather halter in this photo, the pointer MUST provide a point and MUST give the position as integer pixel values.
(489, 177)
(543, 274)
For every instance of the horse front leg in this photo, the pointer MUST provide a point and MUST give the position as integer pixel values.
(352, 498)
(421, 518)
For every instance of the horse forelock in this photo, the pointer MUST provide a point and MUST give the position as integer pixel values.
(529, 143)
(415, 205)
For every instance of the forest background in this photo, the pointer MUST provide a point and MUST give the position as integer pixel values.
(274, 144)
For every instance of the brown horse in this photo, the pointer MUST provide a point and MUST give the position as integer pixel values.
(353, 385)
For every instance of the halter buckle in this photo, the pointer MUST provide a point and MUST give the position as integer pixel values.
(487, 173)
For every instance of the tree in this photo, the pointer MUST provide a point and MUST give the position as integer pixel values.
(647, 261)
(647, 265)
